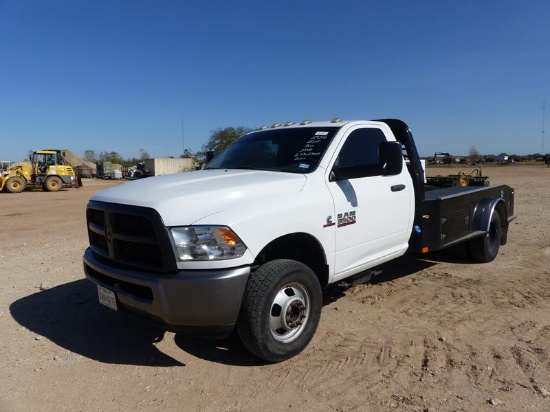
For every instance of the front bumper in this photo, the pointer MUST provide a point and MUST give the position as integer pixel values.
(200, 303)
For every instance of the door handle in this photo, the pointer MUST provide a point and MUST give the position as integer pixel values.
(397, 188)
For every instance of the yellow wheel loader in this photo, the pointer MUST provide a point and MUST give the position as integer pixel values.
(48, 170)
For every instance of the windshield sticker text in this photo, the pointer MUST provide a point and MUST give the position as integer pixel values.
(313, 147)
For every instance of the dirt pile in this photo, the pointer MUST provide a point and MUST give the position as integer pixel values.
(76, 160)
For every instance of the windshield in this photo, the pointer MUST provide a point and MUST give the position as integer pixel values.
(293, 150)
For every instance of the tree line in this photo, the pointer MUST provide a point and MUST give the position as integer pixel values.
(219, 139)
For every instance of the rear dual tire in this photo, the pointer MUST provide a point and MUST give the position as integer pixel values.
(485, 248)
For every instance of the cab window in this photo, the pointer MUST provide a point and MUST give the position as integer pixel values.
(361, 150)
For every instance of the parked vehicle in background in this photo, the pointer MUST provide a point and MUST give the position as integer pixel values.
(140, 171)
(441, 158)
(47, 170)
(502, 159)
(473, 178)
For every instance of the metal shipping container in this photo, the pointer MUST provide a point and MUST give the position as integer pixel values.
(104, 170)
(168, 166)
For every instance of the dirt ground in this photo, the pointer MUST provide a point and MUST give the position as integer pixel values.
(431, 334)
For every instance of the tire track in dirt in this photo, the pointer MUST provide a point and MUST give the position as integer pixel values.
(447, 358)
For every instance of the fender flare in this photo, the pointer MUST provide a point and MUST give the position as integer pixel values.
(484, 211)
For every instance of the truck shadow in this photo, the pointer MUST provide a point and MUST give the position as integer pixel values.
(395, 269)
(70, 316)
(229, 351)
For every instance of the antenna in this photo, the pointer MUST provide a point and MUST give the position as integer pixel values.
(543, 118)
(182, 138)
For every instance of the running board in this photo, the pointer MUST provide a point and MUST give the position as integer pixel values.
(359, 279)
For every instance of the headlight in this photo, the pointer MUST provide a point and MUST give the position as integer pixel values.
(206, 243)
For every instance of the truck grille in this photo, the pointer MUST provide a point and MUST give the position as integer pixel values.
(129, 236)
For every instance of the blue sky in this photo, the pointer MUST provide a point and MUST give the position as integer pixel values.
(121, 75)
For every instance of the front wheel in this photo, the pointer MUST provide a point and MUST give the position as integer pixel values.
(15, 184)
(53, 184)
(280, 311)
(486, 247)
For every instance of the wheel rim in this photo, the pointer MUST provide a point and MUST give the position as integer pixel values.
(53, 184)
(289, 312)
(15, 184)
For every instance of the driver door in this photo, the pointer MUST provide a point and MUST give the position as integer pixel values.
(374, 212)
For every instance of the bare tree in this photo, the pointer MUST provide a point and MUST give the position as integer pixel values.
(473, 155)
(143, 154)
(90, 155)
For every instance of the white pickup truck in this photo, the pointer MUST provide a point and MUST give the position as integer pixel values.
(252, 239)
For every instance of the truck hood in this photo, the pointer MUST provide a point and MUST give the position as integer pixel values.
(184, 198)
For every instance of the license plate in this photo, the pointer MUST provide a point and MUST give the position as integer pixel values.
(107, 297)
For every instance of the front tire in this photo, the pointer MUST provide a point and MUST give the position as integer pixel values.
(485, 248)
(280, 311)
(15, 184)
(53, 184)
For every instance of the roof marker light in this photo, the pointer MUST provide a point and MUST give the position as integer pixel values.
(304, 122)
(289, 123)
(336, 120)
(276, 125)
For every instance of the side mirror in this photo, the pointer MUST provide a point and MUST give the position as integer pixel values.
(391, 158)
